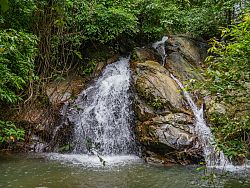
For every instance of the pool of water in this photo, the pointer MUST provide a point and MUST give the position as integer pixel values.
(62, 171)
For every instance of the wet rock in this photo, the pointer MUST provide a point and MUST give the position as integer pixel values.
(181, 68)
(175, 130)
(143, 111)
(164, 122)
(37, 145)
(144, 54)
(102, 64)
(184, 56)
(154, 85)
(192, 49)
(64, 90)
(42, 117)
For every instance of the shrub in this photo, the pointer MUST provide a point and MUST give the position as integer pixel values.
(17, 53)
(9, 133)
(228, 79)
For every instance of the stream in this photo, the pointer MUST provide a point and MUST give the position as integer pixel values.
(41, 171)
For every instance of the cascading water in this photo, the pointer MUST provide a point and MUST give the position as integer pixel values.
(206, 138)
(160, 47)
(102, 115)
(213, 157)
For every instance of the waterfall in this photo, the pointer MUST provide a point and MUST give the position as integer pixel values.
(160, 47)
(213, 157)
(102, 115)
(206, 138)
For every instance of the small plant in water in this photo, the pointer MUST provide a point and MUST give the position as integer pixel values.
(92, 148)
(66, 148)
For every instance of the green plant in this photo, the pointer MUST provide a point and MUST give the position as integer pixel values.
(227, 79)
(231, 135)
(89, 68)
(9, 133)
(66, 148)
(17, 54)
(93, 147)
(157, 104)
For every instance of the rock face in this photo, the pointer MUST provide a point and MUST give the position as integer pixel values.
(164, 123)
(154, 84)
(42, 117)
(184, 54)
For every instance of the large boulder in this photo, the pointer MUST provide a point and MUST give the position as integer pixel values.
(42, 117)
(65, 89)
(164, 122)
(193, 49)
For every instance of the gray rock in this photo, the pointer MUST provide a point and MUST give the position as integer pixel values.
(175, 134)
(164, 126)
(154, 84)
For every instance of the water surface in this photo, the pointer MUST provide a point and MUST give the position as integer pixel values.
(52, 171)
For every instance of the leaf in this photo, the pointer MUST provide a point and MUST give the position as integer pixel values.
(4, 5)
(79, 55)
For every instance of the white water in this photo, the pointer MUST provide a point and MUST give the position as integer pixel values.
(103, 114)
(160, 47)
(93, 161)
(212, 156)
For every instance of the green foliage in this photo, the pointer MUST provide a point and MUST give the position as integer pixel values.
(231, 134)
(17, 53)
(90, 67)
(157, 17)
(201, 18)
(157, 104)
(68, 26)
(228, 79)
(18, 14)
(66, 148)
(229, 69)
(4, 5)
(9, 133)
(101, 20)
(75, 21)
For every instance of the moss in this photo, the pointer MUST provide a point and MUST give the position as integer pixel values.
(134, 56)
